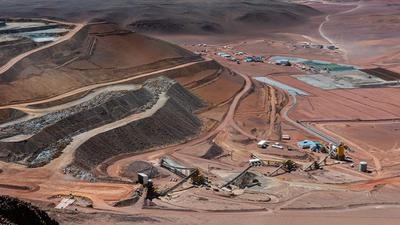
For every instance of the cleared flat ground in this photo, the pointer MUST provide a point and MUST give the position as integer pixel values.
(381, 139)
(344, 104)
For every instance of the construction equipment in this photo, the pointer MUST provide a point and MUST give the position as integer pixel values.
(337, 152)
(195, 175)
(152, 191)
(237, 177)
(143, 178)
(181, 171)
(277, 145)
(287, 166)
(275, 163)
(317, 164)
(255, 162)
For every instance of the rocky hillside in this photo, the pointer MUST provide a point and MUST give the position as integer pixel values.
(173, 123)
(16, 212)
(52, 132)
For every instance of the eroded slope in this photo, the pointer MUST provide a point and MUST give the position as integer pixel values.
(164, 115)
(96, 54)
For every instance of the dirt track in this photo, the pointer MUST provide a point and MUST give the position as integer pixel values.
(18, 58)
(327, 19)
(94, 86)
(290, 193)
(57, 179)
(115, 166)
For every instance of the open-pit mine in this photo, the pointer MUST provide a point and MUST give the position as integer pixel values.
(200, 112)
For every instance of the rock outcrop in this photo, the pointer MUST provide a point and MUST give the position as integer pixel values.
(16, 212)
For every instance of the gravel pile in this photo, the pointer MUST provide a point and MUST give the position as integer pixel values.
(35, 125)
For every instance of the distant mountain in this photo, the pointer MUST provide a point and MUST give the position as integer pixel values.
(172, 17)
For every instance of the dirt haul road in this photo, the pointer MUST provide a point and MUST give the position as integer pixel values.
(66, 37)
(33, 113)
(118, 162)
(94, 86)
(51, 181)
(68, 153)
(327, 19)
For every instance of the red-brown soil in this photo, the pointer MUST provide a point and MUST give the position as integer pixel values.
(240, 112)
(380, 139)
(344, 104)
(98, 53)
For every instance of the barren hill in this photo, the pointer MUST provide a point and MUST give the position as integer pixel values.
(156, 114)
(98, 53)
(176, 16)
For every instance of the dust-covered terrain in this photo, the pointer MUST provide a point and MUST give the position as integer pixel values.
(175, 17)
(199, 112)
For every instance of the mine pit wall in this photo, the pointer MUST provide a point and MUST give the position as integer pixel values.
(29, 29)
(56, 136)
(41, 148)
(7, 115)
(193, 69)
(10, 49)
(64, 51)
(41, 68)
(173, 123)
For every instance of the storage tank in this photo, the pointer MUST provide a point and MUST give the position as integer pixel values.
(363, 166)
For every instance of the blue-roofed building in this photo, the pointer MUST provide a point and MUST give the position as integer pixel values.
(312, 145)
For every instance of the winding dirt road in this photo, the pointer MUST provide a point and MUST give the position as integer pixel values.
(119, 162)
(66, 37)
(99, 85)
(68, 153)
(328, 18)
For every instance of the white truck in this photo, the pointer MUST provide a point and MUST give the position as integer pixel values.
(263, 144)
